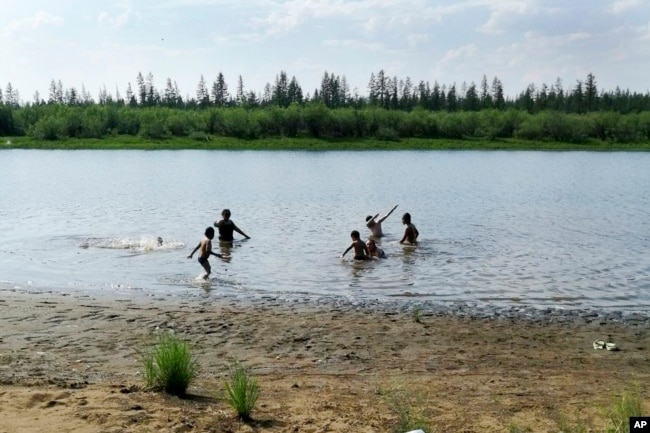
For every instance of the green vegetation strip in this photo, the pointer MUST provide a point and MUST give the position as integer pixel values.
(228, 143)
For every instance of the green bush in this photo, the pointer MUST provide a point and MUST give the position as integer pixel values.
(169, 365)
(242, 390)
(49, 128)
(239, 124)
(386, 134)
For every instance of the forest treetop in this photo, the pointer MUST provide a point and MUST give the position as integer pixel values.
(334, 91)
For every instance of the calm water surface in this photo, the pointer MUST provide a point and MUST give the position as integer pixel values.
(529, 228)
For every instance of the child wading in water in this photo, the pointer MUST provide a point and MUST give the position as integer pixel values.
(360, 248)
(374, 251)
(410, 232)
(205, 245)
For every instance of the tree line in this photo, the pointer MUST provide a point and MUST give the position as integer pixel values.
(391, 109)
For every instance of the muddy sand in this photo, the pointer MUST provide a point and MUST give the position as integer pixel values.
(69, 363)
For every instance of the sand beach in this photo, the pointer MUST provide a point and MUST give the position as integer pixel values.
(69, 363)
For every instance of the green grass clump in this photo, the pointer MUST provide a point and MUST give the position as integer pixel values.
(242, 390)
(514, 428)
(621, 410)
(169, 365)
(417, 315)
(618, 415)
(408, 405)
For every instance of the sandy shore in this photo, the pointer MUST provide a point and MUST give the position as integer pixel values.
(69, 363)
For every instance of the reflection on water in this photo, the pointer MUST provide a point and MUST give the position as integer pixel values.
(517, 228)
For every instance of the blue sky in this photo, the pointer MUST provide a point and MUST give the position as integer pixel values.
(106, 43)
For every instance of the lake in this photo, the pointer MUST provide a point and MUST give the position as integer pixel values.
(540, 229)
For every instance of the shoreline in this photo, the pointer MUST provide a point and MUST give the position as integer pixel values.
(309, 144)
(69, 362)
(404, 305)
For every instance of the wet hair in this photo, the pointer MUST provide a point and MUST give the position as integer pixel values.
(209, 232)
(355, 234)
(406, 218)
(368, 218)
(225, 212)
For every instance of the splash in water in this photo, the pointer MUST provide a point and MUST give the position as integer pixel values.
(143, 244)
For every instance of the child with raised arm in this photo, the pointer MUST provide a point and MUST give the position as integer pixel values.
(374, 225)
(205, 245)
(360, 248)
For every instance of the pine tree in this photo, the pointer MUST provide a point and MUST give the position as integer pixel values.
(11, 96)
(497, 94)
(591, 93)
(71, 97)
(152, 97)
(52, 97)
(372, 90)
(267, 95)
(220, 93)
(240, 90)
(452, 99)
(472, 101)
(577, 98)
(486, 98)
(344, 92)
(59, 92)
(325, 92)
(130, 96)
(142, 89)
(281, 90)
(407, 88)
(437, 102)
(202, 96)
(102, 96)
(294, 92)
(118, 96)
(382, 89)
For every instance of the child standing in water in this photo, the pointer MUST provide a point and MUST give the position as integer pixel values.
(205, 245)
(226, 227)
(374, 251)
(410, 232)
(360, 248)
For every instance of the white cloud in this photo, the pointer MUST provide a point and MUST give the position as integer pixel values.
(506, 12)
(621, 6)
(118, 21)
(293, 13)
(371, 24)
(417, 39)
(459, 54)
(353, 44)
(241, 39)
(40, 19)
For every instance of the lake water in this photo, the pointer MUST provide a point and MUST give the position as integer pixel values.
(542, 229)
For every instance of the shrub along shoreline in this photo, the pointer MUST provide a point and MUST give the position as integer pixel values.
(127, 142)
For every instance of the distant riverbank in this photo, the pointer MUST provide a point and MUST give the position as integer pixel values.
(229, 143)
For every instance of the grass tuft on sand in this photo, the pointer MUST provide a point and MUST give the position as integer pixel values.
(242, 390)
(169, 365)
